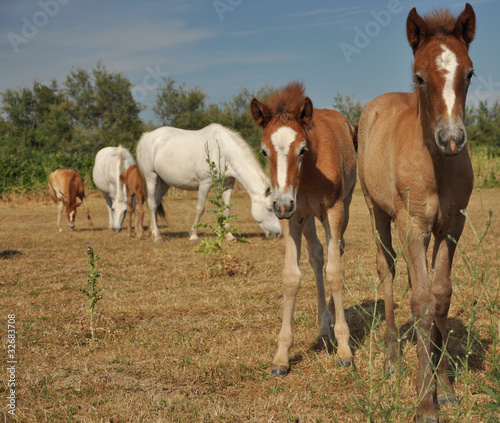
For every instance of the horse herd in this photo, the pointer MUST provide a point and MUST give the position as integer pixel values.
(414, 170)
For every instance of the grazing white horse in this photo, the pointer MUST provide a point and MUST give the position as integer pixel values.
(170, 157)
(110, 163)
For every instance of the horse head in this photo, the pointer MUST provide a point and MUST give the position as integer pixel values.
(119, 209)
(284, 144)
(71, 210)
(263, 213)
(442, 72)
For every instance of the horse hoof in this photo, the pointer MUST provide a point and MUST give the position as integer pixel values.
(279, 371)
(346, 362)
(158, 241)
(193, 240)
(446, 399)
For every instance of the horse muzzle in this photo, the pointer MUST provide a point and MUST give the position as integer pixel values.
(450, 136)
(284, 207)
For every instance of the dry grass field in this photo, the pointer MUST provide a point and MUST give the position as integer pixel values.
(173, 344)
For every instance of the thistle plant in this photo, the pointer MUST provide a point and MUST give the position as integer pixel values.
(92, 292)
(221, 229)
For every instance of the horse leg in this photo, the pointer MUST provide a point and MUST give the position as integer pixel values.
(292, 232)
(60, 208)
(317, 261)
(139, 215)
(109, 205)
(203, 190)
(130, 210)
(443, 252)
(87, 212)
(333, 224)
(415, 241)
(386, 269)
(345, 222)
(155, 190)
(226, 197)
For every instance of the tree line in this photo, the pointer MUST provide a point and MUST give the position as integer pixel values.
(63, 125)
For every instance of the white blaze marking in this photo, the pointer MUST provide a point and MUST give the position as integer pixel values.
(282, 139)
(71, 216)
(447, 62)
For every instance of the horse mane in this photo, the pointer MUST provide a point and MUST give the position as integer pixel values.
(286, 102)
(440, 23)
(238, 139)
(119, 153)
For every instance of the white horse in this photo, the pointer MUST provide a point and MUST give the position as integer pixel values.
(110, 162)
(170, 157)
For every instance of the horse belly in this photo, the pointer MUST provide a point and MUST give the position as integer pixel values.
(104, 181)
(378, 181)
(178, 173)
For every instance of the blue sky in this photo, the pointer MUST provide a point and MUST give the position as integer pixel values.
(352, 48)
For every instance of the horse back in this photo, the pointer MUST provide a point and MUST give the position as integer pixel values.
(335, 140)
(132, 180)
(66, 182)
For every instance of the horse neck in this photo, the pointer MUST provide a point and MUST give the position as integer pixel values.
(423, 132)
(247, 172)
(119, 169)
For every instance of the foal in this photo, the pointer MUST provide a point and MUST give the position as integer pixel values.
(65, 187)
(133, 187)
(312, 163)
(415, 169)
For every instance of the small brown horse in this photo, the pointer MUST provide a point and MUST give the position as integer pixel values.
(415, 169)
(65, 186)
(312, 162)
(133, 186)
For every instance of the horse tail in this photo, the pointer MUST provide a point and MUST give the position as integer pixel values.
(119, 153)
(355, 136)
(51, 190)
(139, 168)
(161, 209)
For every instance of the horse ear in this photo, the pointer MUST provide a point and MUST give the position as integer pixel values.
(260, 112)
(306, 112)
(465, 28)
(416, 29)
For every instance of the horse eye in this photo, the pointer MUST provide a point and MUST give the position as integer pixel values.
(302, 151)
(470, 75)
(263, 152)
(419, 80)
